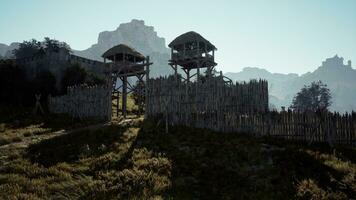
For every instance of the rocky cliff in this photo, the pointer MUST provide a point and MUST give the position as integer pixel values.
(137, 35)
(6, 51)
(340, 78)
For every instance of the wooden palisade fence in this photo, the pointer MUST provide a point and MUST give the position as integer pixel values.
(83, 102)
(319, 127)
(241, 107)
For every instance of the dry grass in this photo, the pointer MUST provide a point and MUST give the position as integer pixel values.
(96, 164)
(11, 134)
(138, 160)
(26, 128)
(132, 108)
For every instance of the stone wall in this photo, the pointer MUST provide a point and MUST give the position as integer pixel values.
(83, 102)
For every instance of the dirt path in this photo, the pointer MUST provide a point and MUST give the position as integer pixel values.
(26, 141)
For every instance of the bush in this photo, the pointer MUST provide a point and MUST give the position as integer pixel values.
(45, 83)
(74, 75)
(77, 75)
(14, 87)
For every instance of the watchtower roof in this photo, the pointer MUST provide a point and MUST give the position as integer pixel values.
(123, 49)
(191, 37)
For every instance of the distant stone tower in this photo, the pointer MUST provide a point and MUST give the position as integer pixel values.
(191, 51)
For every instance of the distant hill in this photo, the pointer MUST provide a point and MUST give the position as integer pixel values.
(137, 35)
(340, 78)
(6, 50)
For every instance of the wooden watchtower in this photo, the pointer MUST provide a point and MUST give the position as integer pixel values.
(125, 62)
(192, 51)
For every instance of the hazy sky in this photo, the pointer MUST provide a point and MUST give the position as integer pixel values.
(280, 35)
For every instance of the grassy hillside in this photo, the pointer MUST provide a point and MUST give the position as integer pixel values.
(137, 160)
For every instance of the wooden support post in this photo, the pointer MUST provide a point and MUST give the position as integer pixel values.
(196, 92)
(198, 73)
(188, 75)
(187, 84)
(198, 66)
(117, 103)
(147, 68)
(172, 54)
(124, 96)
(114, 89)
(147, 92)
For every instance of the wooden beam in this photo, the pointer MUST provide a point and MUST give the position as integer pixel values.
(124, 97)
(192, 76)
(132, 73)
(147, 85)
(130, 86)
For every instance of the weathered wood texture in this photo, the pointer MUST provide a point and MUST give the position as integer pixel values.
(83, 102)
(242, 107)
(190, 102)
(326, 127)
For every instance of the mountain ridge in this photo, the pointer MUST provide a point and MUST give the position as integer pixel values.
(6, 50)
(137, 35)
(340, 78)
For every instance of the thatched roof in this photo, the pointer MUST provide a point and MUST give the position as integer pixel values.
(191, 37)
(122, 49)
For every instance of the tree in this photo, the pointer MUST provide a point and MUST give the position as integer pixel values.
(312, 97)
(93, 79)
(51, 45)
(73, 75)
(77, 75)
(28, 49)
(14, 87)
(45, 83)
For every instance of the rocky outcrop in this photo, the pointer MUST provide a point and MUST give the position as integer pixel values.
(340, 78)
(3, 49)
(6, 51)
(137, 35)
